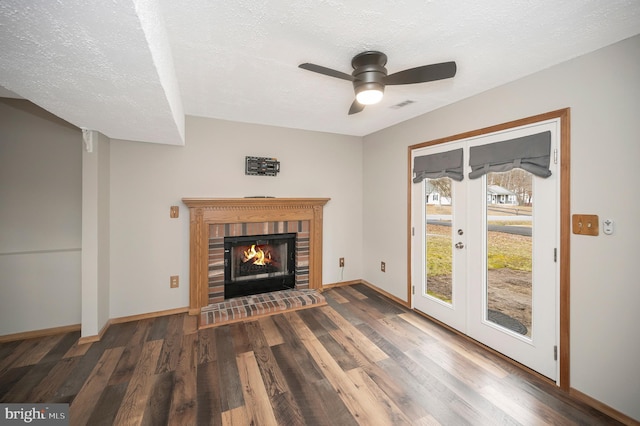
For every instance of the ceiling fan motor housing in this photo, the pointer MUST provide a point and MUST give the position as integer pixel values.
(369, 71)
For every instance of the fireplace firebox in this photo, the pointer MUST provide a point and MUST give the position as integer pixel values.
(259, 264)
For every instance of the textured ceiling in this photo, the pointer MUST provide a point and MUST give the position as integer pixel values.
(132, 69)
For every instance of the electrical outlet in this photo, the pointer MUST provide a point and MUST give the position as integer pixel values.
(383, 267)
(174, 212)
(174, 281)
(342, 262)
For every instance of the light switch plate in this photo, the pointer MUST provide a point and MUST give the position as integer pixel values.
(174, 281)
(585, 224)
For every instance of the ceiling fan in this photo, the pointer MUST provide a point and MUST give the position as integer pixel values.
(369, 76)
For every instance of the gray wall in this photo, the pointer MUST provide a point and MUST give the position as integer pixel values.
(603, 91)
(146, 179)
(40, 215)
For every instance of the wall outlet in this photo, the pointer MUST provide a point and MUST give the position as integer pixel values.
(342, 262)
(174, 281)
(174, 212)
(383, 267)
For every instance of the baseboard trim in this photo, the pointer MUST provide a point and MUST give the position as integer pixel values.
(368, 284)
(96, 338)
(384, 293)
(39, 333)
(339, 284)
(78, 327)
(611, 412)
(137, 317)
(156, 314)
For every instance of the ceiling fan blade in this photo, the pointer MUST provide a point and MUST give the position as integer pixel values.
(356, 107)
(326, 71)
(422, 74)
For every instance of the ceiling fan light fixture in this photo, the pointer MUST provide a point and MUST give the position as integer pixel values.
(369, 76)
(369, 94)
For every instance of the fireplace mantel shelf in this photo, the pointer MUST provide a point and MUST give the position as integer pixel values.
(210, 211)
(252, 202)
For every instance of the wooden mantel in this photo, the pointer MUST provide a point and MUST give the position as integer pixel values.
(207, 211)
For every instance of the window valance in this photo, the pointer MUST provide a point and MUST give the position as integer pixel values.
(531, 153)
(443, 164)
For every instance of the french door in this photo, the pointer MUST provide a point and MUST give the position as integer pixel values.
(484, 252)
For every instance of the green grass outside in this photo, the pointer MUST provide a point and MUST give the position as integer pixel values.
(438, 255)
(504, 251)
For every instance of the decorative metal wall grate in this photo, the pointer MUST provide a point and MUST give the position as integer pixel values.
(261, 166)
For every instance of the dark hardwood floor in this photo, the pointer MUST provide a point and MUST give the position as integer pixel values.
(362, 359)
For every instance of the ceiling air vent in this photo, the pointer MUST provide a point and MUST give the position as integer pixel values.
(402, 104)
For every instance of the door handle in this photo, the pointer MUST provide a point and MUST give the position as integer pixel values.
(459, 245)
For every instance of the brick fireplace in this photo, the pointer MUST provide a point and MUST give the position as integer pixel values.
(213, 219)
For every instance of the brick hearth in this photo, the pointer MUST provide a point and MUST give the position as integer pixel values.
(259, 305)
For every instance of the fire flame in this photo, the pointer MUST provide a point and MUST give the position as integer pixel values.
(257, 256)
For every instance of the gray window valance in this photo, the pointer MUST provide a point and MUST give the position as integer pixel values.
(530, 153)
(443, 164)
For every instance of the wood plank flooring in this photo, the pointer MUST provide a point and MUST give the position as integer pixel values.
(360, 360)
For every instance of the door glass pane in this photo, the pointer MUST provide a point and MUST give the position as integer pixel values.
(438, 210)
(509, 250)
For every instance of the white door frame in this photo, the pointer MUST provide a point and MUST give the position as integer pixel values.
(563, 115)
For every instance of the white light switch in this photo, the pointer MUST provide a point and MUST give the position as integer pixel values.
(607, 226)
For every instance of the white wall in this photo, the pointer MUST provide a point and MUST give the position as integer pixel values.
(146, 179)
(40, 213)
(603, 91)
(95, 233)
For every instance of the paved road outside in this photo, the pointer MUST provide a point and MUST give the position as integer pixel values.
(508, 229)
